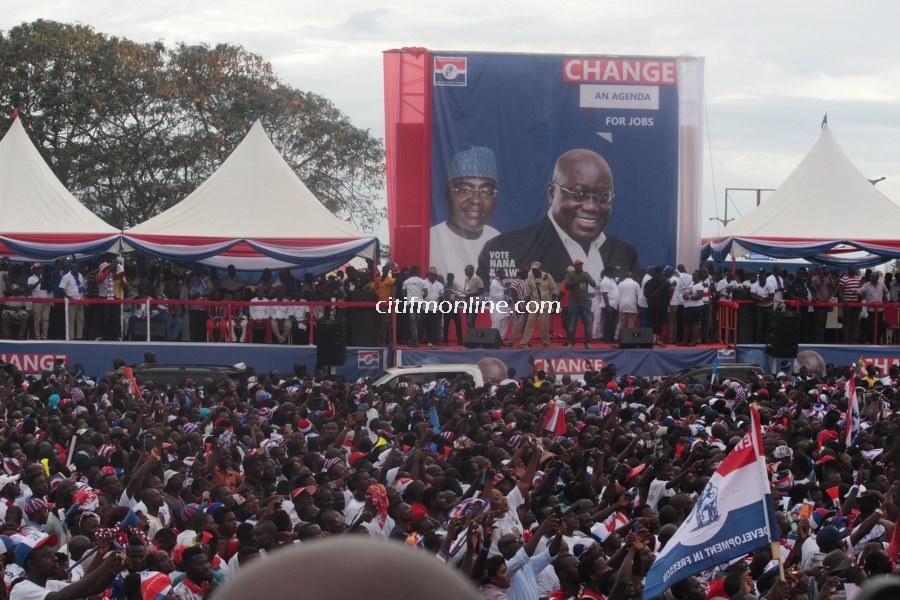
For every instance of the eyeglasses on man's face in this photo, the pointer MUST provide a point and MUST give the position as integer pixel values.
(467, 191)
(583, 195)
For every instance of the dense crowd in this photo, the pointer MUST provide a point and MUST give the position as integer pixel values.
(678, 303)
(181, 487)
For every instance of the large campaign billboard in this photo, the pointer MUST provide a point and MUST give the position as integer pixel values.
(556, 158)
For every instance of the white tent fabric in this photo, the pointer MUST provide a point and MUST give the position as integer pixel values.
(254, 212)
(824, 203)
(42, 220)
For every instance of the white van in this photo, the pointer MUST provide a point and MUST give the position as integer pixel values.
(422, 374)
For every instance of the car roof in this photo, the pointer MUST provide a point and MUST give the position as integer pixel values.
(442, 366)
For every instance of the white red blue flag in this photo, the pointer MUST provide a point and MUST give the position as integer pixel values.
(853, 403)
(733, 516)
(604, 529)
(555, 418)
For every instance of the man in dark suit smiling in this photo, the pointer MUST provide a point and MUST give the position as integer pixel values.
(581, 200)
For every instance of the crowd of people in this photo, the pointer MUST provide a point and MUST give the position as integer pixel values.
(206, 305)
(679, 304)
(179, 488)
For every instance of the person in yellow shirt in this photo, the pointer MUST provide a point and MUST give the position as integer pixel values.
(384, 291)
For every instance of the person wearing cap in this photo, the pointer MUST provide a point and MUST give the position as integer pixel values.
(540, 287)
(9, 493)
(39, 286)
(580, 195)
(471, 194)
(36, 514)
(433, 291)
(577, 282)
(110, 286)
(35, 555)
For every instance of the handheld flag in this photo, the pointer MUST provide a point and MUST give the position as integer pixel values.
(135, 388)
(555, 418)
(733, 516)
(852, 420)
(715, 373)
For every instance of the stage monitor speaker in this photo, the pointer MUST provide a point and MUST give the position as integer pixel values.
(362, 323)
(482, 337)
(783, 334)
(331, 343)
(636, 337)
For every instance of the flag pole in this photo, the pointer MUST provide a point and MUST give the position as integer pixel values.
(774, 544)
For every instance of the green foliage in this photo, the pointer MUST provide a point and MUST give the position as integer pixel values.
(131, 129)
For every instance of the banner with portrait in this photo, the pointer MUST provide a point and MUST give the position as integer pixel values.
(553, 158)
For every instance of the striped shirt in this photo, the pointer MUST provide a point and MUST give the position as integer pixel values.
(849, 284)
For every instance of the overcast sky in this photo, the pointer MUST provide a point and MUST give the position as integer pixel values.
(773, 69)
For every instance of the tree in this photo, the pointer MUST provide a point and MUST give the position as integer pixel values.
(132, 128)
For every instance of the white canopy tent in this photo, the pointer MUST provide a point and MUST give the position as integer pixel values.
(42, 219)
(254, 212)
(824, 204)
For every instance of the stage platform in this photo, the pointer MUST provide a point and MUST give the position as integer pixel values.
(96, 357)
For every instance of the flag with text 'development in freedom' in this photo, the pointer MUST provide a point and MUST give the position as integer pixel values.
(733, 516)
(852, 394)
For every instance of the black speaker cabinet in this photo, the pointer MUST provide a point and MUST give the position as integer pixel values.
(331, 343)
(636, 337)
(783, 334)
(482, 337)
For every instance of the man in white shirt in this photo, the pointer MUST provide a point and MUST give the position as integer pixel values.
(628, 289)
(72, 287)
(471, 194)
(280, 314)
(34, 554)
(685, 281)
(38, 286)
(763, 292)
(674, 304)
(725, 286)
(874, 291)
(414, 286)
(431, 319)
(609, 305)
(473, 288)
(643, 315)
(259, 316)
(500, 310)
